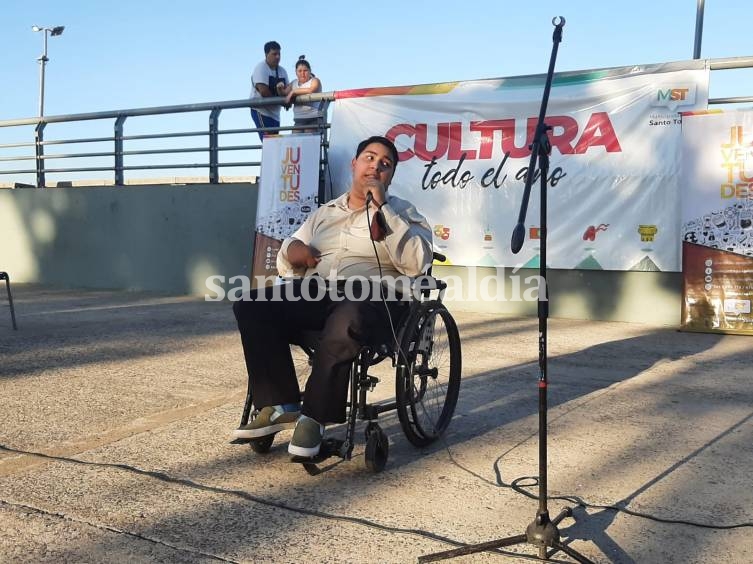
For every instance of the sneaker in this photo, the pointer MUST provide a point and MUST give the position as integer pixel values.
(268, 421)
(307, 438)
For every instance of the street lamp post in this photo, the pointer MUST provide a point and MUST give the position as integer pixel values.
(53, 31)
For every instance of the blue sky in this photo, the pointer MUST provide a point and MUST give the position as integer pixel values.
(136, 54)
(117, 55)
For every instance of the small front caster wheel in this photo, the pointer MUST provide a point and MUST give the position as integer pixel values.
(377, 448)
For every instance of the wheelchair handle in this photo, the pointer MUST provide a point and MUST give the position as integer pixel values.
(438, 256)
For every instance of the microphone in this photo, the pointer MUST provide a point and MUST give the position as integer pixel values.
(518, 236)
(378, 227)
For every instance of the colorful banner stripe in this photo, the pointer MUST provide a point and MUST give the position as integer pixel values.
(702, 113)
(568, 78)
(437, 88)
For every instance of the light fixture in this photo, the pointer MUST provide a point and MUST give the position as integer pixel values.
(54, 32)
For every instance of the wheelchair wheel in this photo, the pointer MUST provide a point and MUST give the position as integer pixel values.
(262, 445)
(377, 448)
(428, 373)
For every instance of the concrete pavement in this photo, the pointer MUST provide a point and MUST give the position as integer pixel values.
(117, 409)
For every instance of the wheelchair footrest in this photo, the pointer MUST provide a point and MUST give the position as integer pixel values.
(329, 448)
(240, 441)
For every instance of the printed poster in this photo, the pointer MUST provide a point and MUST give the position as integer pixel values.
(614, 188)
(717, 229)
(288, 192)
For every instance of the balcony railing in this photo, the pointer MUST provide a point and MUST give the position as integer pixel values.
(122, 152)
(126, 151)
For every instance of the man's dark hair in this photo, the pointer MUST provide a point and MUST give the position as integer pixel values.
(270, 45)
(382, 141)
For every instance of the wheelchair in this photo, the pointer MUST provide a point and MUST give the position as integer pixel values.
(426, 356)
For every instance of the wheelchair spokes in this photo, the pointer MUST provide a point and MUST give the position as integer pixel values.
(429, 380)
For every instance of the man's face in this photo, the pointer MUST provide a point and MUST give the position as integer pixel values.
(273, 58)
(373, 164)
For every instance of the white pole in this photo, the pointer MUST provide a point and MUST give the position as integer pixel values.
(42, 62)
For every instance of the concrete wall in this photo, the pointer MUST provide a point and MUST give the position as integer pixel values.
(161, 238)
(171, 238)
(643, 297)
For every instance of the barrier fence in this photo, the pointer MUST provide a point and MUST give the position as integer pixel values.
(126, 152)
(121, 152)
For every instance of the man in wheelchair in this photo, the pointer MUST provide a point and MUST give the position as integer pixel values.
(366, 234)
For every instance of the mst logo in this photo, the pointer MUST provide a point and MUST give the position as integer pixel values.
(674, 95)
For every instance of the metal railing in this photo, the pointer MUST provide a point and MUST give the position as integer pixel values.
(119, 154)
(122, 159)
(730, 63)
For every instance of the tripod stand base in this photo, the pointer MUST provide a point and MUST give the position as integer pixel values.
(542, 533)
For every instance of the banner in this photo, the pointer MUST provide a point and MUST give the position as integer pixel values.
(288, 192)
(613, 196)
(717, 229)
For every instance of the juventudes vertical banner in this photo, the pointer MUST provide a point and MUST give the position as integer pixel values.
(717, 228)
(613, 199)
(287, 193)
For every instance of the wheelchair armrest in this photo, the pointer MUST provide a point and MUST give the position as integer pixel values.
(427, 283)
(436, 284)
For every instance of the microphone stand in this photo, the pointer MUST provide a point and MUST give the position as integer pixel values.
(542, 532)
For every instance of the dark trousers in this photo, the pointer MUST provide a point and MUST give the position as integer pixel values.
(263, 121)
(268, 326)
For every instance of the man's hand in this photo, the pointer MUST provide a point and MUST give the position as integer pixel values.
(378, 192)
(301, 255)
(289, 100)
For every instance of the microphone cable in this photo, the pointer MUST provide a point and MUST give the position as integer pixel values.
(398, 350)
(398, 354)
(523, 484)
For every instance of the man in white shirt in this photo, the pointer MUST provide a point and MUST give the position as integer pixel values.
(269, 79)
(338, 243)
